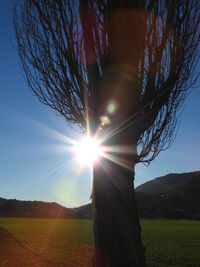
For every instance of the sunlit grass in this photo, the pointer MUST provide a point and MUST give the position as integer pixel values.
(61, 240)
(168, 243)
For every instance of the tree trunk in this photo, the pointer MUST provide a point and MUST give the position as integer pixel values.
(117, 231)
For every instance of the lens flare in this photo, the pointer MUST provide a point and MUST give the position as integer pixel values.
(88, 151)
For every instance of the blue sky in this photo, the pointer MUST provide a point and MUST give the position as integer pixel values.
(34, 160)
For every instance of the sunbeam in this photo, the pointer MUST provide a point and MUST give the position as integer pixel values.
(88, 151)
(53, 172)
(84, 151)
(118, 160)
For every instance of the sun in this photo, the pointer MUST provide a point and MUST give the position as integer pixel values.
(88, 151)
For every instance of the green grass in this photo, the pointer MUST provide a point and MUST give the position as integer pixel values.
(172, 243)
(168, 243)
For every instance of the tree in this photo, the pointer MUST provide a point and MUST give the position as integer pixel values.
(123, 69)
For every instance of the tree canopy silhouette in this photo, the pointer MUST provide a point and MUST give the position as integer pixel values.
(122, 69)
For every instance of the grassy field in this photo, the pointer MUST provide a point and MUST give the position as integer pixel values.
(168, 243)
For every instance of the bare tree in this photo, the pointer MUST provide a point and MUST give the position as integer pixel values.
(123, 69)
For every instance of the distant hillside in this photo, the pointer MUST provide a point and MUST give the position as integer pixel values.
(169, 196)
(171, 182)
(40, 209)
(17, 208)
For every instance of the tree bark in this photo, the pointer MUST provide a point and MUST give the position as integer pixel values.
(117, 231)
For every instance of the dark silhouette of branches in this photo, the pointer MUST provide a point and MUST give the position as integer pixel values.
(67, 49)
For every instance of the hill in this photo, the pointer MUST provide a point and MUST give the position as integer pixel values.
(40, 209)
(170, 196)
(171, 182)
(19, 208)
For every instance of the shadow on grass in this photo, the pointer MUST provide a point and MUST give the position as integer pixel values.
(14, 254)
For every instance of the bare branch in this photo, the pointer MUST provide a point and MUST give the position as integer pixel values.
(79, 55)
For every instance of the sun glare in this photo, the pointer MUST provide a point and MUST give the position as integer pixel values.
(88, 151)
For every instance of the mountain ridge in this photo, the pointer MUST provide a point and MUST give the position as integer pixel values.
(175, 195)
(165, 183)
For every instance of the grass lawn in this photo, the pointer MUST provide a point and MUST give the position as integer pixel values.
(168, 243)
(172, 243)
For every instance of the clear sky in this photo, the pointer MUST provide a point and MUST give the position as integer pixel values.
(35, 163)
